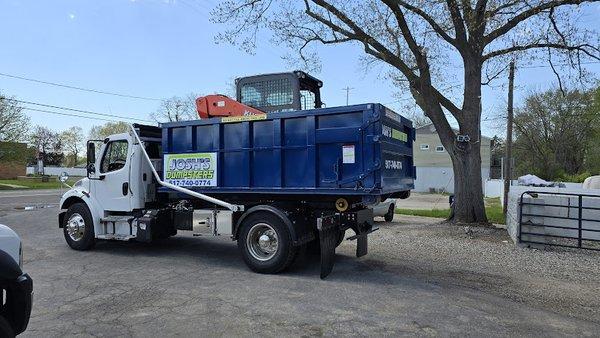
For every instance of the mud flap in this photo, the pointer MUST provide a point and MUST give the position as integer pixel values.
(361, 246)
(361, 242)
(329, 227)
(363, 226)
(328, 236)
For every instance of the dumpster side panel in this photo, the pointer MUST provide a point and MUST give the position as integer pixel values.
(397, 139)
(341, 156)
(337, 151)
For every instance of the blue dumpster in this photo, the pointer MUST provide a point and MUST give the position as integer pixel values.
(359, 151)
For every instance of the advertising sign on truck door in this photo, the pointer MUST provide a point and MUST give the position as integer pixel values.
(191, 170)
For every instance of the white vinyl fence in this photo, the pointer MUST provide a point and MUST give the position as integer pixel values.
(56, 171)
(495, 188)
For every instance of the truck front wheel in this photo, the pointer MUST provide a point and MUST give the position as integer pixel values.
(266, 243)
(78, 227)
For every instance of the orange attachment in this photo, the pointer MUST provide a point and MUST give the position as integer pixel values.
(220, 105)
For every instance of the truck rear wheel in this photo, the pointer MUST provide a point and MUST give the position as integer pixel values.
(266, 243)
(79, 227)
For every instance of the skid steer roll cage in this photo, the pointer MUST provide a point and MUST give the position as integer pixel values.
(232, 207)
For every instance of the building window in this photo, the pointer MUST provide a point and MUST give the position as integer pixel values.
(440, 149)
(424, 147)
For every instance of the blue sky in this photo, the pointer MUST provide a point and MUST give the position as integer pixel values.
(160, 48)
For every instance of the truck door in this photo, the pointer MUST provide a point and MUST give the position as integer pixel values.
(111, 189)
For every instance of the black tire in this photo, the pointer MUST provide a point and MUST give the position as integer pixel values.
(283, 256)
(88, 240)
(5, 329)
(390, 214)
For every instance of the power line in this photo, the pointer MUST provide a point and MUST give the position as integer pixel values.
(194, 8)
(79, 88)
(82, 111)
(66, 114)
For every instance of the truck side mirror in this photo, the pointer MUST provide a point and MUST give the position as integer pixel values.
(91, 158)
(91, 168)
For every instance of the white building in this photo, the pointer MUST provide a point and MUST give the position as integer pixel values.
(434, 167)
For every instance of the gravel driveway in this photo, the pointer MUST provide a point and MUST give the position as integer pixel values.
(418, 279)
(561, 280)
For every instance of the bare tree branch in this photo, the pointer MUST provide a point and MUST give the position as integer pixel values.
(513, 22)
(580, 48)
(360, 35)
(436, 27)
(410, 40)
(457, 20)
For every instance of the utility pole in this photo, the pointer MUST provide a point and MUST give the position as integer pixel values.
(347, 89)
(509, 130)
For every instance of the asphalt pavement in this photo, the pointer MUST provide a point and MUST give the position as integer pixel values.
(199, 286)
(17, 199)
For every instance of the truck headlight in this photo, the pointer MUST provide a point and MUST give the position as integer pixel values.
(21, 255)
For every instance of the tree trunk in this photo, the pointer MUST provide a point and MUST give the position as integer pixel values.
(466, 156)
(468, 190)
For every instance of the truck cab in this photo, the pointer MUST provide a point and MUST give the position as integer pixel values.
(118, 188)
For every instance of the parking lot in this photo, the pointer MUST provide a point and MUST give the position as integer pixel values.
(419, 278)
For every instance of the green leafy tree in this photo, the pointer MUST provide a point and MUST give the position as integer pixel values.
(103, 131)
(48, 144)
(418, 41)
(592, 159)
(73, 142)
(555, 131)
(14, 124)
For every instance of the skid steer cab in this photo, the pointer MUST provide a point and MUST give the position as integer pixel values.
(124, 197)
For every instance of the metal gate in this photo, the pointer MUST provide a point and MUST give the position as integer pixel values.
(574, 224)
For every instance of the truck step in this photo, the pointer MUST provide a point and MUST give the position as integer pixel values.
(116, 219)
(116, 237)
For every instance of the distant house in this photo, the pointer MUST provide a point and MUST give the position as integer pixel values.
(13, 159)
(434, 167)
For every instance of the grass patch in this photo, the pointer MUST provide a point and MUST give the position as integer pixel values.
(437, 213)
(32, 184)
(493, 209)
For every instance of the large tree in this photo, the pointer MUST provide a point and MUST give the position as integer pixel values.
(556, 133)
(592, 160)
(420, 40)
(72, 141)
(48, 144)
(107, 129)
(14, 124)
(176, 109)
